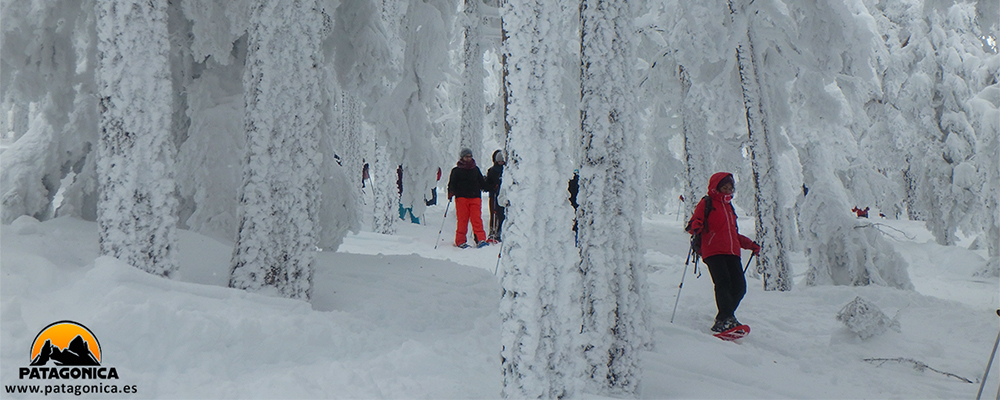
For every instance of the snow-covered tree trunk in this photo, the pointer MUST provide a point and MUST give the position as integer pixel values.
(340, 172)
(695, 144)
(541, 303)
(383, 174)
(136, 151)
(278, 227)
(353, 153)
(610, 201)
(772, 261)
(472, 79)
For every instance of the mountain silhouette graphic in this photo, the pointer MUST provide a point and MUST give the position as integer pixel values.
(76, 354)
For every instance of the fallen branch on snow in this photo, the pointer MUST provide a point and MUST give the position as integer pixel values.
(919, 366)
(877, 225)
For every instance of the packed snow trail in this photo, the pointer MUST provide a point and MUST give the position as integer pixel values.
(392, 317)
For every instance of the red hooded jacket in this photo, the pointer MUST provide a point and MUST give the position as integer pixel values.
(721, 235)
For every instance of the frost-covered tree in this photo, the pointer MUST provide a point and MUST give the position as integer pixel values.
(842, 249)
(47, 84)
(986, 118)
(473, 108)
(610, 201)
(696, 146)
(136, 151)
(279, 199)
(407, 132)
(213, 147)
(759, 101)
(936, 59)
(835, 79)
(541, 304)
(363, 61)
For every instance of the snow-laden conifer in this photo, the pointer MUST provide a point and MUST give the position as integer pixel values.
(279, 198)
(209, 182)
(540, 307)
(136, 152)
(610, 201)
(471, 135)
(49, 109)
(943, 54)
(407, 131)
(769, 215)
(841, 248)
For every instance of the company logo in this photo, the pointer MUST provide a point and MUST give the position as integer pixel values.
(66, 350)
(66, 343)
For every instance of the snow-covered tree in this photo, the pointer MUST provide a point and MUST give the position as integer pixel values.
(763, 145)
(213, 148)
(209, 185)
(842, 249)
(472, 77)
(47, 84)
(363, 62)
(610, 201)
(406, 130)
(696, 145)
(834, 81)
(541, 304)
(136, 212)
(279, 199)
(936, 58)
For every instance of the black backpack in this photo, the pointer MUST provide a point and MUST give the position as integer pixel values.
(696, 237)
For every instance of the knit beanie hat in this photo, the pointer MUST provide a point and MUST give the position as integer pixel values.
(465, 152)
(498, 157)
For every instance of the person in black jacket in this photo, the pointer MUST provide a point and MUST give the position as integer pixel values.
(494, 176)
(466, 184)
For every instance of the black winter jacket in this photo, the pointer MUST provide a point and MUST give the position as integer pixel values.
(494, 176)
(466, 182)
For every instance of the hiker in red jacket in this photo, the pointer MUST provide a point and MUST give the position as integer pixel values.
(720, 248)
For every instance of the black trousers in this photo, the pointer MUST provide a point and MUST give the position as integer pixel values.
(497, 215)
(730, 284)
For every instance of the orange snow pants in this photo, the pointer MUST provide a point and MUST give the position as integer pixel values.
(469, 210)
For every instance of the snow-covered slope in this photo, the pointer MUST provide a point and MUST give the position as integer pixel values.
(391, 317)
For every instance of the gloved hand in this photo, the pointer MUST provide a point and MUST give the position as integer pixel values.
(755, 249)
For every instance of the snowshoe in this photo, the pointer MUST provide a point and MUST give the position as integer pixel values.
(463, 246)
(482, 244)
(734, 333)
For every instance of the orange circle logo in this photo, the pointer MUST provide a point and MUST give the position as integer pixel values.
(65, 343)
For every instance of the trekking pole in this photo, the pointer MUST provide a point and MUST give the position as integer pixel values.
(443, 220)
(748, 263)
(681, 286)
(990, 363)
(497, 268)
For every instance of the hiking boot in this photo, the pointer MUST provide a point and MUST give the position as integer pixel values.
(720, 325)
(731, 323)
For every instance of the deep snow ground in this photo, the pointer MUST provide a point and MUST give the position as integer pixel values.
(391, 317)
